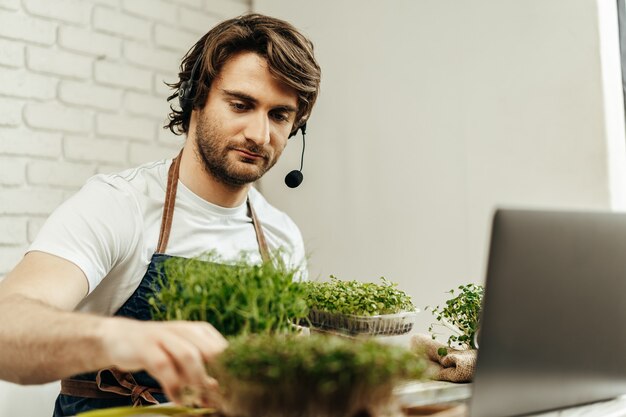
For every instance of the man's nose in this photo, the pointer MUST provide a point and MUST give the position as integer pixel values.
(258, 129)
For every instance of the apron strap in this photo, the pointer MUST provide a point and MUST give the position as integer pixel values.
(260, 236)
(168, 207)
(168, 213)
(123, 383)
(85, 389)
(111, 384)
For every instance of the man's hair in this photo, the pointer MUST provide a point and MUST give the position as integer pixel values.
(288, 53)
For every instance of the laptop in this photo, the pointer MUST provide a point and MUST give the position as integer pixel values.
(553, 327)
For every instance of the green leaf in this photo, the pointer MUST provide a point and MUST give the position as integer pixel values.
(357, 298)
(326, 363)
(462, 312)
(236, 298)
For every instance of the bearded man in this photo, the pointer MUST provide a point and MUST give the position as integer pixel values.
(75, 307)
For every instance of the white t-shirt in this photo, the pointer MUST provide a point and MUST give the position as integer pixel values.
(110, 229)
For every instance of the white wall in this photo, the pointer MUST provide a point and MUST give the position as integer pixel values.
(81, 92)
(434, 112)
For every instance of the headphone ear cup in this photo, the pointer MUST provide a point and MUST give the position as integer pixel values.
(185, 95)
(295, 132)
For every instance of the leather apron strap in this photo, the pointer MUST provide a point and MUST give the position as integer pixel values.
(260, 236)
(170, 200)
(111, 384)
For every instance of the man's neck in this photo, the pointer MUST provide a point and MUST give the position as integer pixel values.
(204, 185)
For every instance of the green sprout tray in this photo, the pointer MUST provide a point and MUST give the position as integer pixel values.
(383, 325)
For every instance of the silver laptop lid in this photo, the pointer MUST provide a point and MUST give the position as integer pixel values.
(553, 330)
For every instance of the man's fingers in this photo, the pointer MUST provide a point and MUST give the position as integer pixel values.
(187, 359)
(205, 337)
(189, 346)
(210, 396)
(219, 341)
(174, 353)
(160, 365)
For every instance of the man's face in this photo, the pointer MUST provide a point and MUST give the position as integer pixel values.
(244, 126)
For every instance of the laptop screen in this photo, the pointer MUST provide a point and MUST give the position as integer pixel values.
(553, 327)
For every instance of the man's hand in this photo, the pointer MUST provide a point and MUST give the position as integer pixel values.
(43, 340)
(174, 353)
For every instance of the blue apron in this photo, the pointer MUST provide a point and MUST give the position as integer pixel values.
(111, 387)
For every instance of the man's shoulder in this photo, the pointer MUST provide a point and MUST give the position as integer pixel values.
(148, 179)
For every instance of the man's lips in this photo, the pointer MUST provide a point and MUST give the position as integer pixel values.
(248, 154)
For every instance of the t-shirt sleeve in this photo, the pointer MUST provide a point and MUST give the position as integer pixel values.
(95, 229)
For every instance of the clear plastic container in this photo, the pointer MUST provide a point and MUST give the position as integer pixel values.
(384, 324)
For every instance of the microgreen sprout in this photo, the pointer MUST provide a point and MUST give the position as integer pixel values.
(316, 376)
(236, 298)
(357, 298)
(330, 361)
(461, 316)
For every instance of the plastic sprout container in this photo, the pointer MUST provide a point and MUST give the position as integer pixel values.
(383, 325)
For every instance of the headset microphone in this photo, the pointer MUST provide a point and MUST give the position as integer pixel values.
(294, 178)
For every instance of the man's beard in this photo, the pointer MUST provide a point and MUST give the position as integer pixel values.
(214, 148)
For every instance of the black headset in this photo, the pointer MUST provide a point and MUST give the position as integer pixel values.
(187, 89)
(186, 95)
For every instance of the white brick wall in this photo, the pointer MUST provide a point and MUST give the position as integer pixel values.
(137, 54)
(157, 10)
(12, 171)
(13, 231)
(10, 111)
(10, 4)
(89, 42)
(193, 19)
(57, 62)
(20, 83)
(81, 92)
(29, 142)
(59, 174)
(55, 116)
(90, 95)
(11, 53)
(107, 73)
(71, 11)
(26, 28)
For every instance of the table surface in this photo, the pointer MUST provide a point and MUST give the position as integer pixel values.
(438, 392)
(432, 392)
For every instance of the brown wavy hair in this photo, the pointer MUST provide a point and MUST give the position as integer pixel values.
(289, 56)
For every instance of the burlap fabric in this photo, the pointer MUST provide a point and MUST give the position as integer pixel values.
(456, 366)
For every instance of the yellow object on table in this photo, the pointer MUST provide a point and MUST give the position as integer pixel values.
(151, 411)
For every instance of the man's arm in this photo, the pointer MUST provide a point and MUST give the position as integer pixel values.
(43, 340)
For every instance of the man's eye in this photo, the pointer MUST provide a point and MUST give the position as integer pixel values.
(238, 106)
(280, 117)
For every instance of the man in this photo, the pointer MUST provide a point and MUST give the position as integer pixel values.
(254, 84)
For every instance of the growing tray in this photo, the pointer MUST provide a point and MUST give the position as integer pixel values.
(384, 324)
